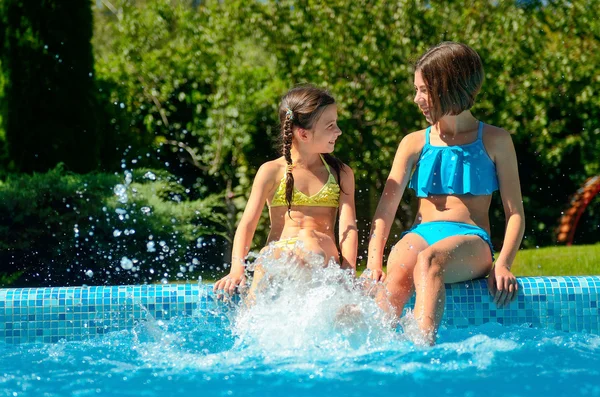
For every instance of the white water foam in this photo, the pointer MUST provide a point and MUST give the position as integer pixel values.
(306, 307)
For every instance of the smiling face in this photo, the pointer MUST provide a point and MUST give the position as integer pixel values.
(422, 96)
(325, 131)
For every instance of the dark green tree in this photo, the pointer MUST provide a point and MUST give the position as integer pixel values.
(49, 106)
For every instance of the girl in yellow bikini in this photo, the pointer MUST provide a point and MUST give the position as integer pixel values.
(303, 189)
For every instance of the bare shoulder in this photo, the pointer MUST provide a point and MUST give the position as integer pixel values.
(273, 166)
(414, 141)
(493, 133)
(498, 142)
(271, 170)
(347, 180)
(416, 137)
(347, 172)
(410, 147)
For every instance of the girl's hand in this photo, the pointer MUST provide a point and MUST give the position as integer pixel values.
(375, 274)
(229, 284)
(502, 285)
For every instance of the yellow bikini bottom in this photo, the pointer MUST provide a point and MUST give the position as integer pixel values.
(288, 243)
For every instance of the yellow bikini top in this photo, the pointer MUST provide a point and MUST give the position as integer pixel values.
(328, 196)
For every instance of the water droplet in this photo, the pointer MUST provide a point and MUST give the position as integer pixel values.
(150, 246)
(121, 193)
(126, 263)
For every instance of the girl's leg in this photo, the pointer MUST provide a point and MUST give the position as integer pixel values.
(317, 243)
(400, 266)
(259, 274)
(311, 243)
(450, 260)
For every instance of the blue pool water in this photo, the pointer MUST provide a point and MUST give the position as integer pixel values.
(311, 331)
(193, 358)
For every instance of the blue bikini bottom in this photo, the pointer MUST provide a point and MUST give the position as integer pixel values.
(432, 232)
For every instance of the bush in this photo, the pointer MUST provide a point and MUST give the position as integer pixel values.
(60, 228)
(209, 78)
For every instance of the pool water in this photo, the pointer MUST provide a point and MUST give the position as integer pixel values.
(183, 357)
(311, 331)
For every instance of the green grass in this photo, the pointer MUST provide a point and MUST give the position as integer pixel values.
(576, 260)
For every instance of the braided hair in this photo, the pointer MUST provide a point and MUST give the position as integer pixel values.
(302, 107)
(287, 154)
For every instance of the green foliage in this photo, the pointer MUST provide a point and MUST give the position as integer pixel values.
(57, 226)
(187, 79)
(48, 110)
(195, 89)
(217, 71)
(3, 82)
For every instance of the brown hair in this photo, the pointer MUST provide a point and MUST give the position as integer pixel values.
(302, 107)
(453, 75)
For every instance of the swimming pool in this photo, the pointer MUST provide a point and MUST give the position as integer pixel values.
(163, 340)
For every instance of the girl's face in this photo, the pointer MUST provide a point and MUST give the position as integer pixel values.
(422, 96)
(325, 131)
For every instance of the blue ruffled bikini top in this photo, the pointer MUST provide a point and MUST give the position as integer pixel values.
(456, 170)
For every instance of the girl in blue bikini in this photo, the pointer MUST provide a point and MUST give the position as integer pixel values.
(456, 164)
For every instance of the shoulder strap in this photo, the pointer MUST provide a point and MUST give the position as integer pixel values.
(325, 163)
(427, 132)
(480, 131)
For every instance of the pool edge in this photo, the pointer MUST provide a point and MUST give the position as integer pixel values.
(49, 315)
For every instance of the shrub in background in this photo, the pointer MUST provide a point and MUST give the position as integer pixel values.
(61, 228)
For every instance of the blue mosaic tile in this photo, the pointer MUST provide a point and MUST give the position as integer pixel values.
(76, 313)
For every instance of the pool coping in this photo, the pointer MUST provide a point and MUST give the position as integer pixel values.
(48, 315)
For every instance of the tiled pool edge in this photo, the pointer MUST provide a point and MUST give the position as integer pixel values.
(76, 313)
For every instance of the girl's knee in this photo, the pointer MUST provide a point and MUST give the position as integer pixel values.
(430, 263)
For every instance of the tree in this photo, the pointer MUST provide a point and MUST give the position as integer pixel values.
(49, 108)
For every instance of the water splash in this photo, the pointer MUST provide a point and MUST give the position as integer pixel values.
(304, 306)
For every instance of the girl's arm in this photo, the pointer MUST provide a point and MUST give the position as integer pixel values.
(348, 233)
(502, 283)
(405, 158)
(262, 185)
